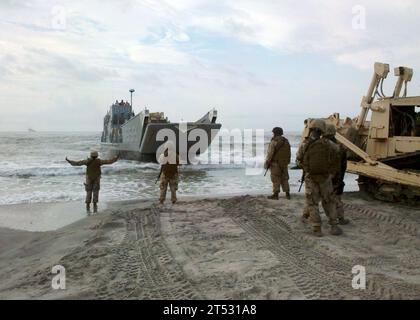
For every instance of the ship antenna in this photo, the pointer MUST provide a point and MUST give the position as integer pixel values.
(131, 92)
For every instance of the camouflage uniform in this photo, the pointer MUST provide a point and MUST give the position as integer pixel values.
(338, 181)
(169, 176)
(278, 158)
(93, 177)
(299, 163)
(339, 208)
(319, 187)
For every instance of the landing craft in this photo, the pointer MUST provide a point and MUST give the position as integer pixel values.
(135, 137)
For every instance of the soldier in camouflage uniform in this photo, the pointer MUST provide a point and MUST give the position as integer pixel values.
(338, 178)
(93, 177)
(169, 161)
(278, 158)
(319, 159)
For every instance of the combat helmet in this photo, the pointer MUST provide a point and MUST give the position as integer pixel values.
(330, 130)
(278, 131)
(94, 154)
(317, 124)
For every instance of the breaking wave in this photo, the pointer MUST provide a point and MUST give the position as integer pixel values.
(55, 171)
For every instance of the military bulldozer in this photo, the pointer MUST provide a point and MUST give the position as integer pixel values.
(383, 141)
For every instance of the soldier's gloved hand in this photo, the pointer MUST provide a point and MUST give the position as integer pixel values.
(67, 160)
(266, 165)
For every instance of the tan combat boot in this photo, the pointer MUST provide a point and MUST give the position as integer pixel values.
(95, 208)
(274, 196)
(288, 195)
(335, 230)
(88, 207)
(317, 231)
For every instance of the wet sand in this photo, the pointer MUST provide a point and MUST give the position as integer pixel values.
(242, 247)
(41, 216)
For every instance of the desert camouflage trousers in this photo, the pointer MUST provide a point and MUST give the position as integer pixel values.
(173, 186)
(316, 190)
(279, 177)
(92, 188)
(339, 207)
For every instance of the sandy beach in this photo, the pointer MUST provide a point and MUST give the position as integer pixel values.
(242, 247)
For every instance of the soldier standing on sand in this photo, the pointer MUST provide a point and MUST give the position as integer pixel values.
(338, 178)
(93, 177)
(277, 160)
(169, 162)
(319, 159)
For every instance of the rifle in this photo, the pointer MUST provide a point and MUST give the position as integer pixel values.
(266, 170)
(268, 167)
(160, 173)
(274, 154)
(302, 180)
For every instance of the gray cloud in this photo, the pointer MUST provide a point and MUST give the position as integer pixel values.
(185, 56)
(50, 64)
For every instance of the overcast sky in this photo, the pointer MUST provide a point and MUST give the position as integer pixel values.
(259, 63)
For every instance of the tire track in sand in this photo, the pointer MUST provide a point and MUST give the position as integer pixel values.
(142, 266)
(317, 274)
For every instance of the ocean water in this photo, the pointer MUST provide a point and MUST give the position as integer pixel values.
(33, 169)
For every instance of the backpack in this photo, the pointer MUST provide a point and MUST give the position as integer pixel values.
(282, 152)
(319, 158)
